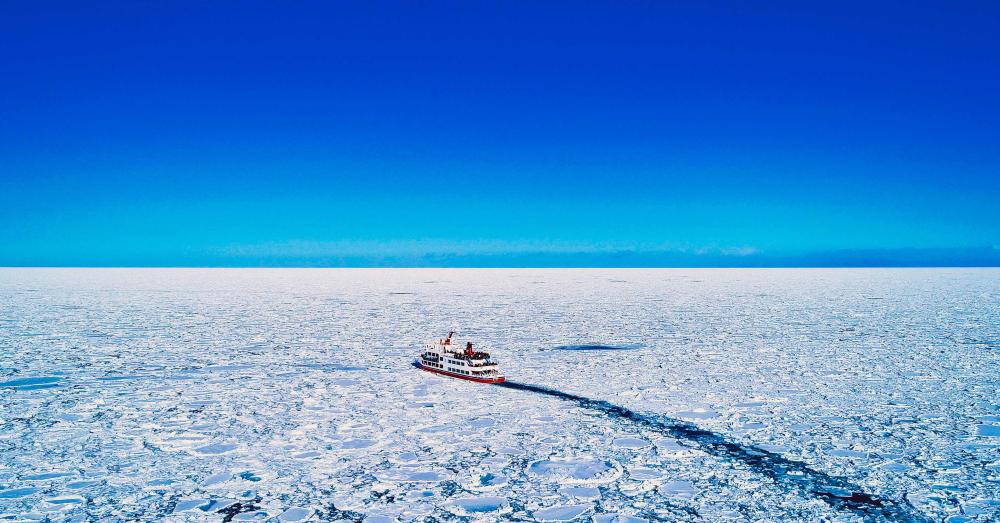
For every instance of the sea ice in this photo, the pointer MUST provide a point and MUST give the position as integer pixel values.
(688, 395)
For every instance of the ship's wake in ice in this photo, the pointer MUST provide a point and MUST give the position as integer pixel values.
(837, 492)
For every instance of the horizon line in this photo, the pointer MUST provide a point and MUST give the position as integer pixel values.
(381, 267)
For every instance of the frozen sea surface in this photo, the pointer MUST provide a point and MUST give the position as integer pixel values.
(686, 395)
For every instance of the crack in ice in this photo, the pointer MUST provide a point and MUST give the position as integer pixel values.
(837, 492)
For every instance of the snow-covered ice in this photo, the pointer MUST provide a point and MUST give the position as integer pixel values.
(687, 395)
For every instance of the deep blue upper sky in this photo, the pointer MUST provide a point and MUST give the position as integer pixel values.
(499, 133)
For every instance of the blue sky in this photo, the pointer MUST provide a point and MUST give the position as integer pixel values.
(499, 133)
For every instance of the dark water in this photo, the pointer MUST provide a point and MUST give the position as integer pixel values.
(838, 493)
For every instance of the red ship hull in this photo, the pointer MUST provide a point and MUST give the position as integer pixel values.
(460, 376)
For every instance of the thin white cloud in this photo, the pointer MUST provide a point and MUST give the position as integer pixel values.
(439, 247)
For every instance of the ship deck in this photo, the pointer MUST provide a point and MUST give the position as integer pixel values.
(494, 379)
